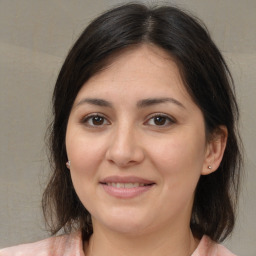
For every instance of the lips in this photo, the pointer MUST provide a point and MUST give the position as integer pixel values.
(128, 179)
(126, 187)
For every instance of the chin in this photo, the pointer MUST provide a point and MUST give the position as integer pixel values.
(129, 224)
(128, 229)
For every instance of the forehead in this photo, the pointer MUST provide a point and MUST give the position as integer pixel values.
(140, 69)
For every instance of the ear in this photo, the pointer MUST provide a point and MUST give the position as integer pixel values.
(68, 164)
(215, 150)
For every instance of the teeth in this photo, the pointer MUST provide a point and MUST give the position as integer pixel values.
(119, 185)
(131, 185)
(125, 185)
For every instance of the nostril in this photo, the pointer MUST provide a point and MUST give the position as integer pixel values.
(124, 152)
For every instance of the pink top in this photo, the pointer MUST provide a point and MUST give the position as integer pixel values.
(72, 245)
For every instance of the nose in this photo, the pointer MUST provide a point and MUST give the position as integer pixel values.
(124, 148)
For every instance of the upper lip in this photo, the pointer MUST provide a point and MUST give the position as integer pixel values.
(127, 179)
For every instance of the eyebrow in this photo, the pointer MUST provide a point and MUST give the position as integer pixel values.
(140, 104)
(95, 101)
(154, 101)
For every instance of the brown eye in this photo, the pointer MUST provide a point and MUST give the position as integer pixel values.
(160, 120)
(95, 121)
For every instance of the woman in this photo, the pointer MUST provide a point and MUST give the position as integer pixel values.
(145, 152)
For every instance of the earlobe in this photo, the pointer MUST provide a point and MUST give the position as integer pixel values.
(215, 150)
(68, 164)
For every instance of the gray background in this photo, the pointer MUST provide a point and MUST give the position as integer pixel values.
(35, 36)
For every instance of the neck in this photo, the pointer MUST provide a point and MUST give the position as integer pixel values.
(108, 243)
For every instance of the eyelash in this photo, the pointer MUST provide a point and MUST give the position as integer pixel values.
(161, 115)
(90, 117)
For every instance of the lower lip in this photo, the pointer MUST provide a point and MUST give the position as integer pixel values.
(126, 192)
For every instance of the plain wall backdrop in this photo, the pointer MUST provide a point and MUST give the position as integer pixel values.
(35, 36)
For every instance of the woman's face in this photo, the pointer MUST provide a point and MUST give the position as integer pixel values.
(137, 145)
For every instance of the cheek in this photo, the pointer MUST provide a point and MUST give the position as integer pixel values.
(179, 160)
(85, 154)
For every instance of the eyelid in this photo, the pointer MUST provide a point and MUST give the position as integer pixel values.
(168, 117)
(84, 119)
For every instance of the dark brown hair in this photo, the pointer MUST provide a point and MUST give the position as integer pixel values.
(207, 79)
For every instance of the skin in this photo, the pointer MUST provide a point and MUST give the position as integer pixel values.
(128, 140)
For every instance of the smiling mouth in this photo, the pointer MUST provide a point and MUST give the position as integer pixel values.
(126, 190)
(126, 185)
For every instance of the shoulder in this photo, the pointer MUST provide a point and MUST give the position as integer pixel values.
(207, 247)
(65, 245)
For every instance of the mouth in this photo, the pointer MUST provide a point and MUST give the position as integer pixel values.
(126, 187)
